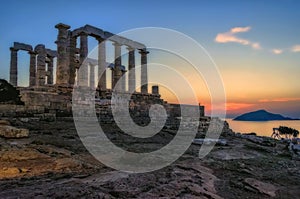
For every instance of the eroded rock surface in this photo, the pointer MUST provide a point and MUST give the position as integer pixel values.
(53, 163)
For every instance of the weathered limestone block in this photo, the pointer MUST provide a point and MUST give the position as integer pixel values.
(4, 123)
(13, 132)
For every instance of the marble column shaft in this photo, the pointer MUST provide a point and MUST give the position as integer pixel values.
(131, 70)
(83, 71)
(62, 70)
(72, 60)
(101, 65)
(32, 69)
(13, 79)
(50, 71)
(41, 65)
(117, 73)
(92, 76)
(144, 71)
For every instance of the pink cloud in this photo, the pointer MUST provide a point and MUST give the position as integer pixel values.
(277, 51)
(231, 37)
(296, 48)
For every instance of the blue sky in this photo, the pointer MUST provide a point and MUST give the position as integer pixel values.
(273, 25)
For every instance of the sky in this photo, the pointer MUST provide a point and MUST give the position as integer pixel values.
(255, 44)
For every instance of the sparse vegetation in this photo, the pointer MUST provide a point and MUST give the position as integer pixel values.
(8, 93)
(288, 132)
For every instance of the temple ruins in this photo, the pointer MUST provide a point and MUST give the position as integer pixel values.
(47, 95)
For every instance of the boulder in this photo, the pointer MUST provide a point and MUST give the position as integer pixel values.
(13, 132)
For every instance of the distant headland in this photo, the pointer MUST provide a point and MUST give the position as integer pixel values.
(261, 115)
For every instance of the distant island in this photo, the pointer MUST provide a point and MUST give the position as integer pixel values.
(261, 115)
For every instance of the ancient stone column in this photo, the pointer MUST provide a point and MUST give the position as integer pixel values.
(155, 90)
(62, 70)
(50, 71)
(13, 78)
(101, 65)
(72, 59)
(41, 65)
(123, 80)
(83, 71)
(131, 69)
(144, 72)
(117, 66)
(92, 76)
(32, 68)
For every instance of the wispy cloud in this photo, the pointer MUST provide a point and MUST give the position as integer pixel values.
(277, 51)
(232, 37)
(296, 48)
(237, 106)
(284, 99)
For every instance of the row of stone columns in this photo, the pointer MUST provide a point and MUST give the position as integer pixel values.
(117, 72)
(66, 67)
(37, 67)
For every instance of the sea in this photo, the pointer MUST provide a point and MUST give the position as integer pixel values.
(261, 128)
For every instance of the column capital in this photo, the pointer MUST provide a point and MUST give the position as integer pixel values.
(143, 51)
(129, 48)
(13, 49)
(62, 26)
(100, 39)
(116, 44)
(83, 34)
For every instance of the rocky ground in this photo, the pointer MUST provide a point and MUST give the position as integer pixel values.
(53, 163)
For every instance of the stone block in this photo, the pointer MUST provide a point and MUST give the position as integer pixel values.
(4, 123)
(13, 132)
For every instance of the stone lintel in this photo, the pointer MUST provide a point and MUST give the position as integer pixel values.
(105, 35)
(21, 46)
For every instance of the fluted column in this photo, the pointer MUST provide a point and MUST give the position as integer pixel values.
(101, 65)
(13, 78)
(144, 72)
(131, 69)
(32, 68)
(123, 81)
(50, 70)
(83, 75)
(62, 70)
(117, 66)
(72, 60)
(92, 75)
(41, 65)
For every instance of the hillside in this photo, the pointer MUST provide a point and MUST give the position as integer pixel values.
(261, 115)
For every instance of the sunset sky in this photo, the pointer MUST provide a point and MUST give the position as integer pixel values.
(255, 44)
